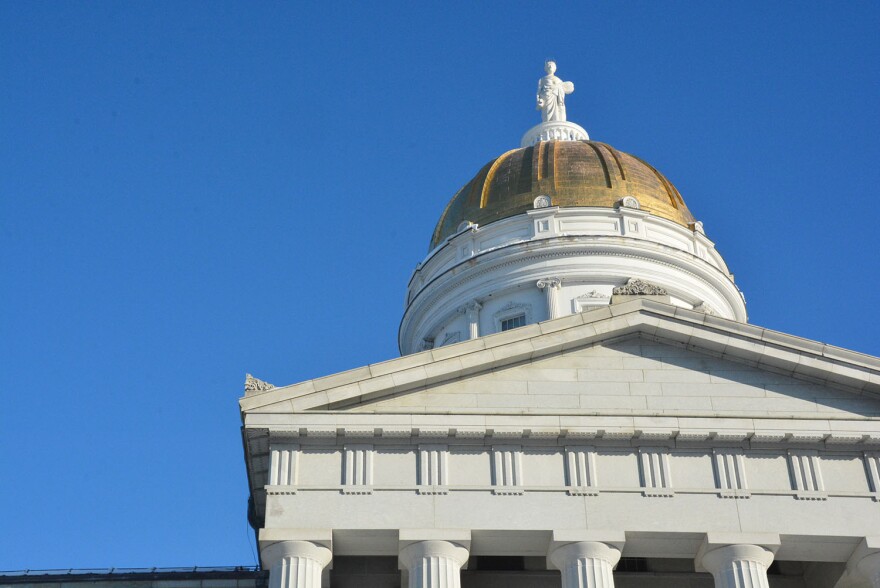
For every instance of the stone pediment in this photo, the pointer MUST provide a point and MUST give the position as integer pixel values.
(639, 375)
(638, 358)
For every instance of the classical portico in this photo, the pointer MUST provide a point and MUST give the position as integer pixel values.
(738, 447)
(580, 403)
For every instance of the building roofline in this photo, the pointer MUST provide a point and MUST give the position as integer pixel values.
(130, 574)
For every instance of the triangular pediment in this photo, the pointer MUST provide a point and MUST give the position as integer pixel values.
(640, 357)
(638, 374)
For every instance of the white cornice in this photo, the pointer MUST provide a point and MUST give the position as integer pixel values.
(547, 430)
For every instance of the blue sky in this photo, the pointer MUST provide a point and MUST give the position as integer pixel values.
(192, 191)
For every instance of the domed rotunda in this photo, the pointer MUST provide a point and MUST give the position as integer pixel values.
(559, 226)
(595, 427)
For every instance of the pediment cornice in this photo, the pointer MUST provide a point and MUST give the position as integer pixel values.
(763, 348)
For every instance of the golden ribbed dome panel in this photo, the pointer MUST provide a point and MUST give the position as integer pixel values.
(572, 173)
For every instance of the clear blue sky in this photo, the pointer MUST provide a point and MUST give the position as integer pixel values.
(193, 190)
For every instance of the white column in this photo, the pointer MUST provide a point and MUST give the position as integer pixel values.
(295, 564)
(738, 566)
(586, 564)
(472, 311)
(550, 286)
(434, 564)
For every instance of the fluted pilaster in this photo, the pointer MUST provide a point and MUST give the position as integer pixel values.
(434, 564)
(295, 564)
(739, 566)
(472, 311)
(586, 564)
(550, 286)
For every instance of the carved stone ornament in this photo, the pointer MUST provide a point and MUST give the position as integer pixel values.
(252, 384)
(637, 287)
(450, 338)
(470, 309)
(542, 201)
(548, 283)
(629, 202)
(592, 294)
(697, 227)
(590, 300)
(703, 307)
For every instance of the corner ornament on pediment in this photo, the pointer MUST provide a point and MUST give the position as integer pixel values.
(252, 384)
(637, 287)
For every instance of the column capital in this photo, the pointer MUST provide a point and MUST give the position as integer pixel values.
(415, 552)
(275, 552)
(764, 543)
(865, 560)
(460, 536)
(588, 560)
(563, 555)
(563, 537)
(567, 544)
(471, 307)
(717, 560)
(276, 544)
(549, 283)
(433, 562)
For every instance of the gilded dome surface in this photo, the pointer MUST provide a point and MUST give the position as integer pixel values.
(571, 173)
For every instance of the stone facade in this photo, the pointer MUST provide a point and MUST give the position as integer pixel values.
(664, 438)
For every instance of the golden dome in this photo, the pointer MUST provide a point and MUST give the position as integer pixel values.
(571, 173)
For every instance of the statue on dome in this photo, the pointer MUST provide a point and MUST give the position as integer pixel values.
(551, 94)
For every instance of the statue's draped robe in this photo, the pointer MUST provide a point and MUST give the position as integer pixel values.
(551, 90)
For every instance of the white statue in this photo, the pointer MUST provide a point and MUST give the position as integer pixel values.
(551, 94)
